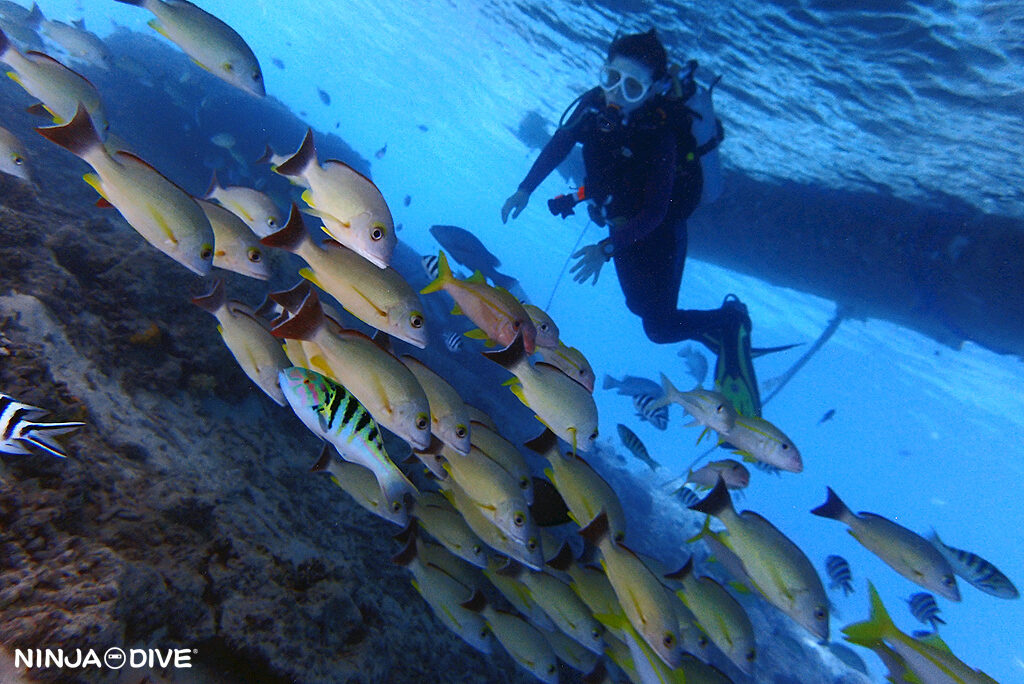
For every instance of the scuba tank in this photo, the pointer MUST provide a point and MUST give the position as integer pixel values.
(705, 127)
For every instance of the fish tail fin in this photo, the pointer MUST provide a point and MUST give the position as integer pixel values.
(715, 503)
(876, 627)
(832, 508)
(544, 443)
(476, 603)
(563, 559)
(511, 355)
(705, 531)
(444, 275)
(304, 324)
(214, 299)
(406, 555)
(609, 382)
(291, 299)
(213, 187)
(324, 460)
(682, 573)
(596, 530)
(35, 17)
(267, 156)
(296, 164)
(667, 387)
(78, 136)
(291, 235)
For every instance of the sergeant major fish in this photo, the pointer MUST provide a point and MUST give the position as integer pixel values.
(976, 570)
(839, 572)
(925, 610)
(636, 447)
(647, 409)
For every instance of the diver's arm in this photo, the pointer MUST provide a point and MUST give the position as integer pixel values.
(657, 196)
(553, 154)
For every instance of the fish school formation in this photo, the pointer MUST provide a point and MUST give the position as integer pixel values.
(464, 496)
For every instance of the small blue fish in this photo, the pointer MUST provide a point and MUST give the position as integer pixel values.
(976, 570)
(20, 429)
(923, 608)
(657, 417)
(636, 447)
(408, 200)
(453, 340)
(324, 97)
(276, 61)
(828, 416)
(839, 572)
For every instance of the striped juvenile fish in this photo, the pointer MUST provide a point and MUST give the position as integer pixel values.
(636, 447)
(976, 570)
(430, 267)
(687, 496)
(20, 429)
(453, 340)
(924, 609)
(839, 572)
(333, 413)
(658, 417)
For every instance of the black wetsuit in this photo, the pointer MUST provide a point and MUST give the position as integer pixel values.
(646, 175)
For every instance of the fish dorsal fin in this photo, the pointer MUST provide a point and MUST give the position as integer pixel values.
(477, 278)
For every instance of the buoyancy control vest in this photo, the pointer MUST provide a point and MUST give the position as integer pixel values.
(705, 127)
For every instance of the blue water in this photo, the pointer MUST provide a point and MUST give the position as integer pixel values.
(916, 99)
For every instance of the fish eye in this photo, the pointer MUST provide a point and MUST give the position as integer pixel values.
(785, 447)
(518, 518)
(596, 633)
(255, 255)
(531, 544)
(483, 633)
(515, 325)
(256, 75)
(702, 641)
(551, 669)
(396, 506)
(524, 483)
(377, 232)
(751, 655)
(669, 640)
(948, 581)
(271, 221)
(544, 327)
(206, 252)
(719, 408)
(477, 549)
(17, 160)
(593, 435)
(820, 613)
(422, 422)
(228, 67)
(416, 320)
(460, 431)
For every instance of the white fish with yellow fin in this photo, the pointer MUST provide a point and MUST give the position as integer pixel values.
(207, 40)
(255, 208)
(58, 88)
(570, 361)
(235, 248)
(379, 297)
(257, 352)
(524, 642)
(388, 390)
(352, 208)
(164, 214)
(559, 402)
(13, 160)
(449, 418)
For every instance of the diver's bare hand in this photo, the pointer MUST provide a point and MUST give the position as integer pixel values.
(591, 259)
(517, 202)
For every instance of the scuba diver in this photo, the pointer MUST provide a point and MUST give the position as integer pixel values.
(643, 180)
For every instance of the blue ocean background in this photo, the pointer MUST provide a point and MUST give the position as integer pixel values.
(922, 101)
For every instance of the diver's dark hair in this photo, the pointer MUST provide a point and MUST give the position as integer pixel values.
(645, 48)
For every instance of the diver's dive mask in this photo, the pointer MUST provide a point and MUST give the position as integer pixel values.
(633, 87)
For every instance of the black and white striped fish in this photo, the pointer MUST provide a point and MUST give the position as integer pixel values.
(768, 468)
(636, 447)
(923, 608)
(839, 572)
(453, 340)
(430, 265)
(20, 429)
(657, 417)
(688, 496)
(976, 570)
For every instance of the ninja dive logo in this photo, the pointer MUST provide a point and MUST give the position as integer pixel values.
(113, 658)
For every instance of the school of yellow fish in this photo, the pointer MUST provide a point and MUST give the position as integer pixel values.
(469, 533)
